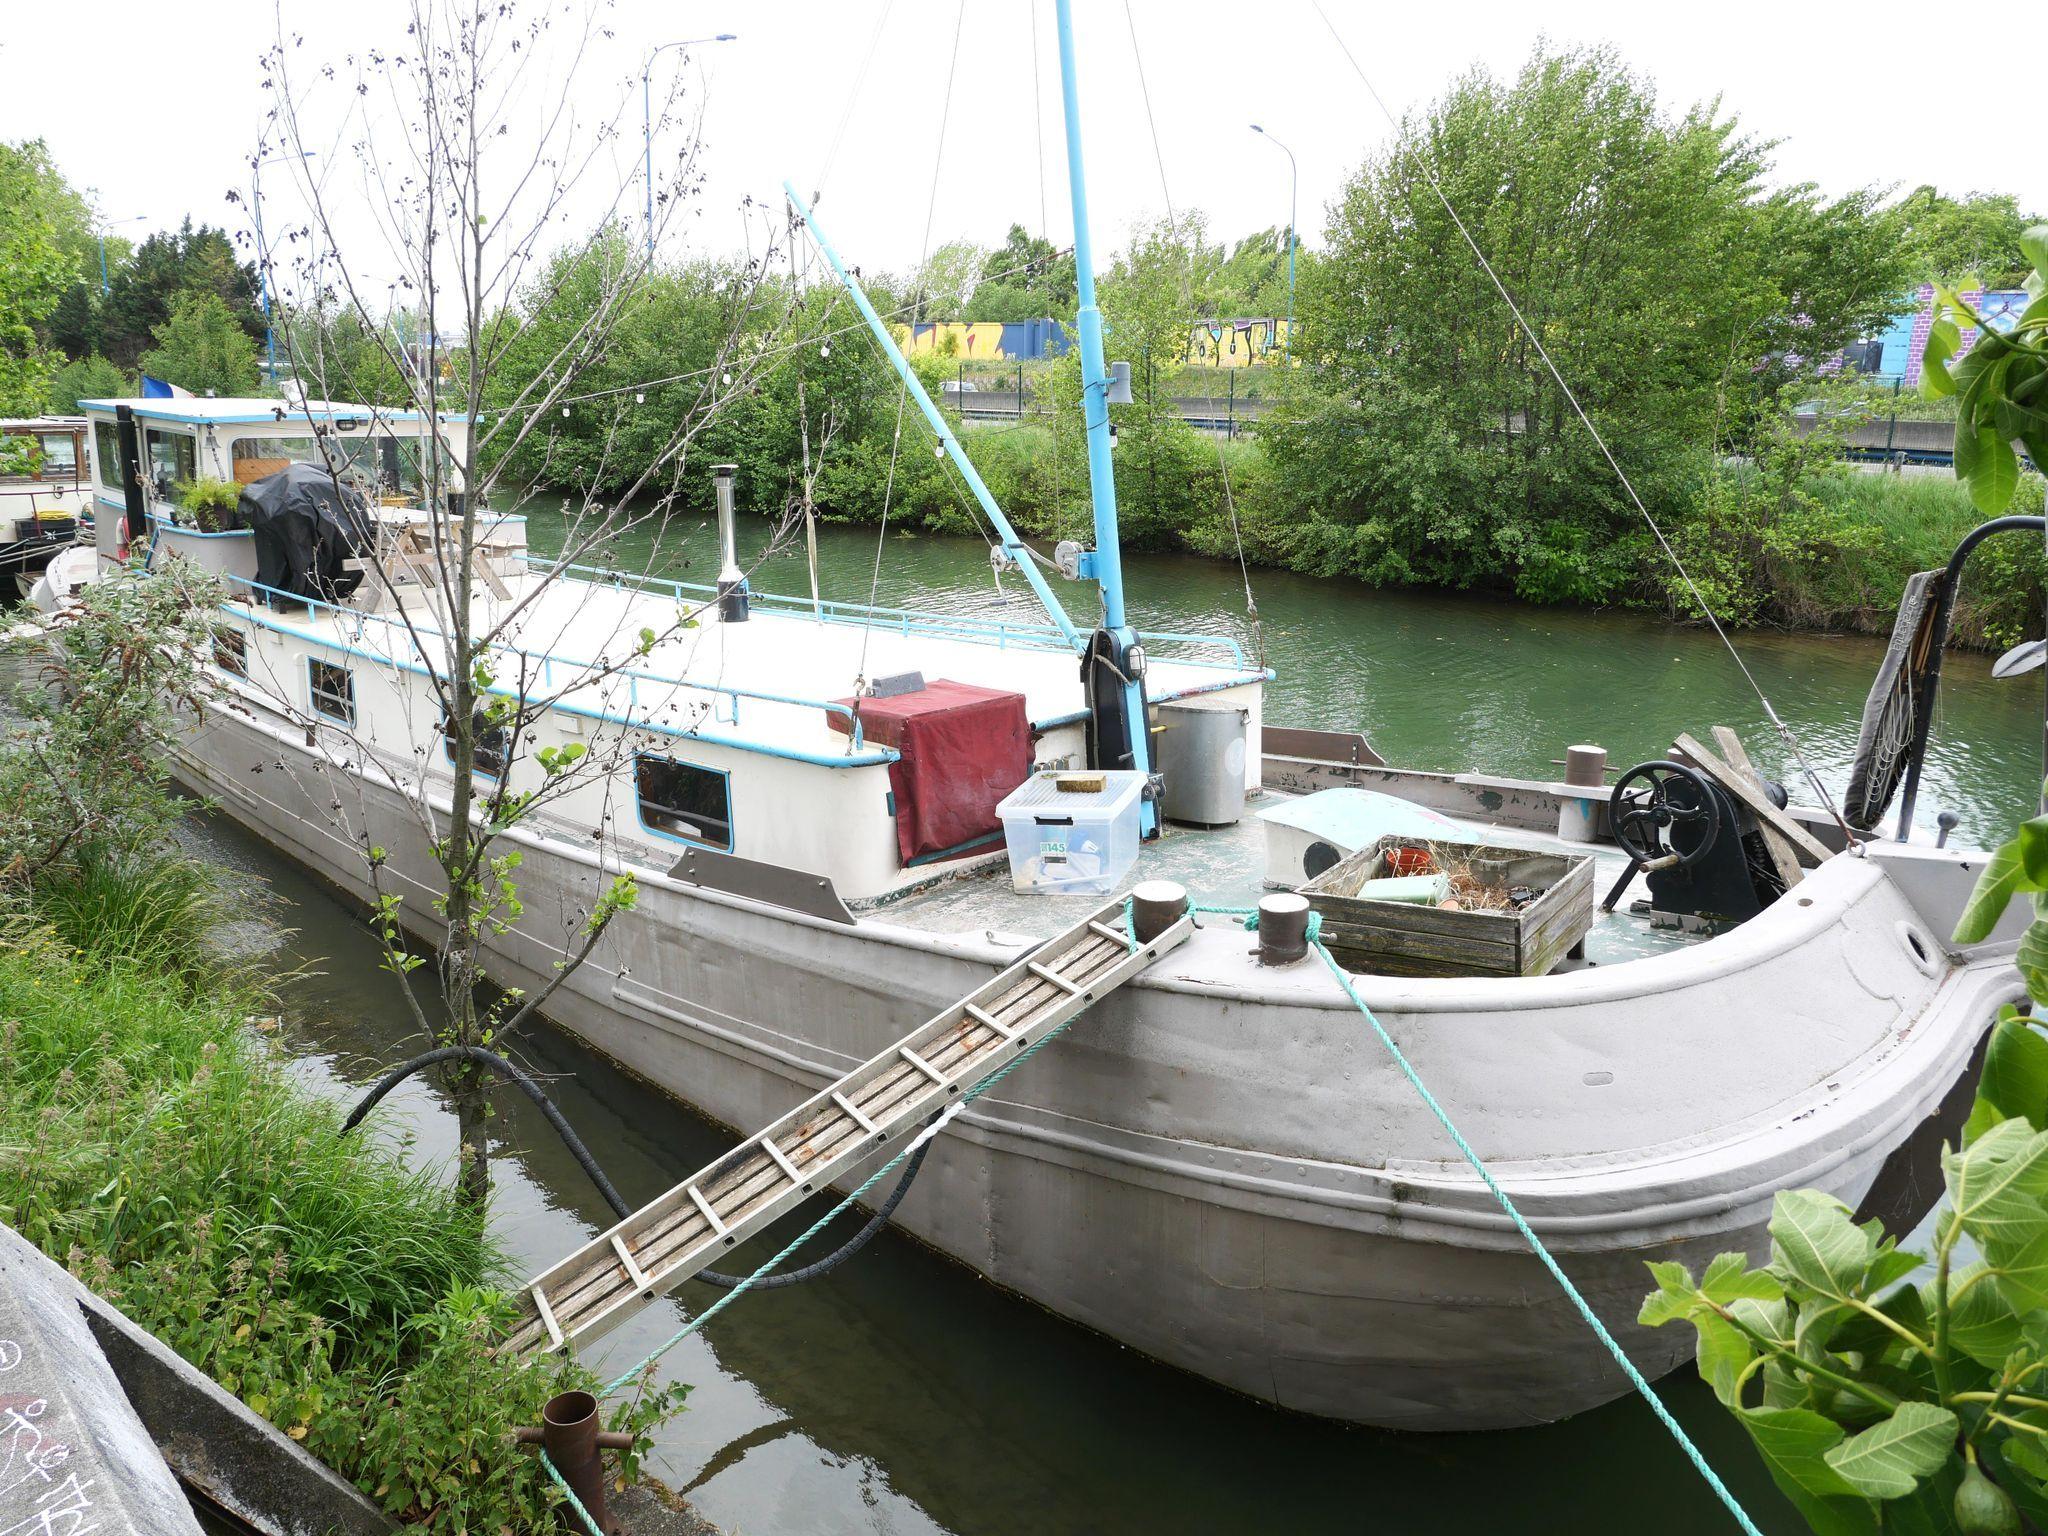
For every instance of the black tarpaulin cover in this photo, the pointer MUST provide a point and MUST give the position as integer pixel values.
(306, 526)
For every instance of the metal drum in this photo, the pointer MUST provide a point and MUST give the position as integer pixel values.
(1201, 756)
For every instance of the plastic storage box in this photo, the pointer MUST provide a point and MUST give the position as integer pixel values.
(1068, 837)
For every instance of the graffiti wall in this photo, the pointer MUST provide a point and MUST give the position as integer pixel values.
(1211, 343)
(1236, 343)
(984, 341)
(1906, 342)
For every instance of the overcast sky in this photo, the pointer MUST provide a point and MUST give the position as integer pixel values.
(157, 107)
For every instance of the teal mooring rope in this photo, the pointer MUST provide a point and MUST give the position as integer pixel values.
(1251, 922)
(1628, 1368)
(589, 1520)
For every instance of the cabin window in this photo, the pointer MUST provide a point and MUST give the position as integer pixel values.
(106, 438)
(382, 466)
(231, 651)
(173, 459)
(493, 746)
(684, 801)
(60, 455)
(332, 689)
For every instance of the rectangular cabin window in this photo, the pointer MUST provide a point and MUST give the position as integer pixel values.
(493, 745)
(231, 651)
(173, 459)
(106, 443)
(382, 467)
(60, 455)
(684, 801)
(332, 690)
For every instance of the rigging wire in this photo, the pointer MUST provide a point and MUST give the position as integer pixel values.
(1251, 604)
(852, 96)
(931, 209)
(1784, 731)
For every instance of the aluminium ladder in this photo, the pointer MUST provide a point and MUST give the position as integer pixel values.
(886, 1098)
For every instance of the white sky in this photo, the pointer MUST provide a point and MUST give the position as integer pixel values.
(157, 107)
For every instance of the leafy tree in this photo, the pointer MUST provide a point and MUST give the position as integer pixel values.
(1026, 278)
(202, 347)
(942, 286)
(1668, 287)
(89, 378)
(1943, 239)
(166, 266)
(36, 227)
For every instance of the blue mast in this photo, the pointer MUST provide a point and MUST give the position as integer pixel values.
(1117, 644)
(1013, 545)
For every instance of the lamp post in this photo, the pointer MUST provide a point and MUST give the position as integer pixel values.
(647, 118)
(140, 218)
(1293, 187)
(262, 254)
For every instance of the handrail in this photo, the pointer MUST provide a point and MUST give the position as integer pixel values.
(1929, 689)
(845, 612)
(550, 659)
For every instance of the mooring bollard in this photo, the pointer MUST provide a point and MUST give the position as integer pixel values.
(1156, 905)
(1586, 767)
(573, 1442)
(1283, 929)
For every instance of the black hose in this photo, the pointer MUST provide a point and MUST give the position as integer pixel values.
(503, 1068)
(589, 1164)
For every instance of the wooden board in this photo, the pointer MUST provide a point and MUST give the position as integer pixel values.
(1756, 800)
(1784, 858)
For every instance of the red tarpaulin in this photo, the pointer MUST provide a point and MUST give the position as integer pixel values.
(963, 748)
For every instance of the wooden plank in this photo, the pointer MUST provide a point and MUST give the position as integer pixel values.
(1756, 800)
(1784, 858)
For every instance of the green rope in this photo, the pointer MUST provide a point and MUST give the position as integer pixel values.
(589, 1521)
(1621, 1359)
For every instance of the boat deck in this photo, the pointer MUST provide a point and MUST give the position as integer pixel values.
(1224, 867)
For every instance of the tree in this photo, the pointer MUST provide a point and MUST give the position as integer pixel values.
(35, 267)
(503, 343)
(1943, 239)
(89, 378)
(943, 284)
(1668, 288)
(202, 348)
(165, 266)
(1027, 277)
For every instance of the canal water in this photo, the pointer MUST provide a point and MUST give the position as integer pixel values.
(903, 1394)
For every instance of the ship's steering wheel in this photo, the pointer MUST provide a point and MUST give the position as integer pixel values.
(1651, 799)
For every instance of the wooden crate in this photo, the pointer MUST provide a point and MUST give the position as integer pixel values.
(1393, 938)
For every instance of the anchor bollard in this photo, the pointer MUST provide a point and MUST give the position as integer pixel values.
(1283, 929)
(1156, 905)
(573, 1442)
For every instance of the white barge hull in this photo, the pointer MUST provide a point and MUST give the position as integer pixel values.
(1220, 1166)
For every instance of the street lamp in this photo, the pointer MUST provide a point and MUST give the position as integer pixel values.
(262, 254)
(647, 118)
(1293, 187)
(140, 218)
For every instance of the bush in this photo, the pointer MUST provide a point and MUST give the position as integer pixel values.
(151, 1142)
(88, 378)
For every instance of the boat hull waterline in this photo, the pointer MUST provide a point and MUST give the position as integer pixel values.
(1219, 1165)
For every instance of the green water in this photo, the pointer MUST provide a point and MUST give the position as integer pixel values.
(905, 1395)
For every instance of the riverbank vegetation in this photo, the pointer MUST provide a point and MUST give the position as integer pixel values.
(154, 1142)
(1415, 438)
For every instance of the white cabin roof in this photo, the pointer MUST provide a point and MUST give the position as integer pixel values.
(245, 410)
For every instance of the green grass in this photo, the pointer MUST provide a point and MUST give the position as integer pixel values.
(1913, 522)
(152, 1141)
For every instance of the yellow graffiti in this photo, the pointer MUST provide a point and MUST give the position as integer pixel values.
(971, 341)
(1236, 343)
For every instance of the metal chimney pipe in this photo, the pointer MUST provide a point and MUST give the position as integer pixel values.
(732, 581)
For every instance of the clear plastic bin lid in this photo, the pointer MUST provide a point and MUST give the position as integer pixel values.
(1044, 791)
